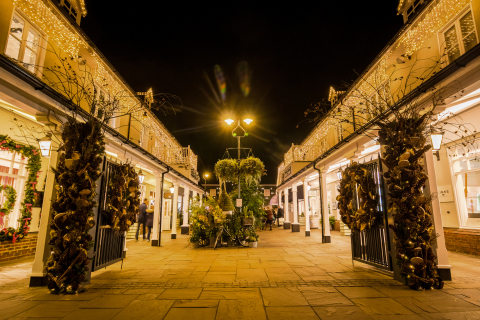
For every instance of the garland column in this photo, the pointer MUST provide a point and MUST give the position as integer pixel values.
(325, 218)
(175, 210)
(38, 277)
(444, 268)
(307, 207)
(295, 224)
(286, 221)
(186, 200)
(156, 210)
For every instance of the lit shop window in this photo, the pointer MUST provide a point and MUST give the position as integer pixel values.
(466, 169)
(459, 37)
(13, 173)
(23, 42)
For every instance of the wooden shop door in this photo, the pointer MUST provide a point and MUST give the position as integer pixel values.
(167, 214)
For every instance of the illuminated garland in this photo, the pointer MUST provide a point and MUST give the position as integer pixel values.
(33, 166)
(431, 23)
(7, 207)
(43, 15)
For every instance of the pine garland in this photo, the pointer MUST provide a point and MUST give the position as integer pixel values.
(123, 197)
(414, 233)
(34, 164)
(72, 217)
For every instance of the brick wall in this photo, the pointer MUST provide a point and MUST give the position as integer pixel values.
(463, 240)
(23, 248)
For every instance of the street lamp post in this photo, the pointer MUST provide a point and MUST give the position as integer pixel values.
(205, 176)
(239, 136)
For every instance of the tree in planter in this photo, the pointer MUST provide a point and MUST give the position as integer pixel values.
(204, 220)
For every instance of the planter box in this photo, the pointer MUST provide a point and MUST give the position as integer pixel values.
(252, 244)
(301, 220)
(247, 221)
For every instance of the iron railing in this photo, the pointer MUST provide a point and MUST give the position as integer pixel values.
(109, 245)
(371, 246)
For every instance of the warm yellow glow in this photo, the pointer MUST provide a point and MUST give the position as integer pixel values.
(229, 121)
(111, 154)
(248, 121)
(206, 175)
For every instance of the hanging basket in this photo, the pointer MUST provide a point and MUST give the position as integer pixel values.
(252, 169)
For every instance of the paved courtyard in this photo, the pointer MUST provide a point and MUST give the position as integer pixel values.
(289, 276)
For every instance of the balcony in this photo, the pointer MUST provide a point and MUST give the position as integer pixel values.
(179, 157)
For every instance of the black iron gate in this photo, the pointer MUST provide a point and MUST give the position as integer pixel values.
(109, 245)
(372, 246)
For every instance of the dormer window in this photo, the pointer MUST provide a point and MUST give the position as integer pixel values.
(459, 37)
(408, 8)
(74, 8)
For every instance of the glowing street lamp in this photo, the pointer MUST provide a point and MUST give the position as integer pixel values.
(247, 121)
(205, 176)
(45, 144)
(141, 176)
(229, 121)
(437, 137)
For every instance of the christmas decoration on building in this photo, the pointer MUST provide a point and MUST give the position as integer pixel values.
(33, 166)
(357, 181)
(123, 197)
(76, 179)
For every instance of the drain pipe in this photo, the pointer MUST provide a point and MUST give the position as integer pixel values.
(161, 207)
(321, 199)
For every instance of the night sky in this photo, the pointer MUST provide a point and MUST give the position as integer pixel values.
(295, 53)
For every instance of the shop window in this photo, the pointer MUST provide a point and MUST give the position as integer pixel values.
(23, 42)
(459, 37)
(466, 169)
(13, 173)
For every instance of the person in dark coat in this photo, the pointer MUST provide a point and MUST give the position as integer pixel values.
(141, 218)
(270, 218)
(279, 214)
(149, 222)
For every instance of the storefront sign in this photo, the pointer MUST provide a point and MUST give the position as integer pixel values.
(239, 203)
(445, 193)
(213, 192)
(287, 172)
(266, 192)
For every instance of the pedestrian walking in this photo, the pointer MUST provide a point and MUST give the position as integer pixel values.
(270, 218)
(149, 221)
(141, 218)
(279, 214)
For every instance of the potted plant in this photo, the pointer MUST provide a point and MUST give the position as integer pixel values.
(252, 238)
(332, 222)
(247, 217)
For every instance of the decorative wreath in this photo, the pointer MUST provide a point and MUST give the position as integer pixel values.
(123, 197)
(34, 164)
(358, 178)
(7, 207)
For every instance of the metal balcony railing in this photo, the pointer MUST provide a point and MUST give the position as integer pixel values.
(177, 156)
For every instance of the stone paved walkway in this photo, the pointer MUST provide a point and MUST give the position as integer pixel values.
(289, 276)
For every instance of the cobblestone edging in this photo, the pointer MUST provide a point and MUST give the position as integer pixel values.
(245, 284)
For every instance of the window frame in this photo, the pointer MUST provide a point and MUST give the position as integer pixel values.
(28, 24)
(455, 21)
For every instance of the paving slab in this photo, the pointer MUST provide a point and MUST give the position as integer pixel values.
(111, 301)
(92, 314)
(52, 309)
(283, 297)
(291, 313)
(339, 313)
(138, 309)
(381, 306)
(196, 304)
(326, 299)
(230, 293)
(360, 292)
(241, 310)
(191, 313)
(179, 294)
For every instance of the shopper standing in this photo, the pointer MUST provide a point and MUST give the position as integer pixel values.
(149, 221)
(141, 218)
